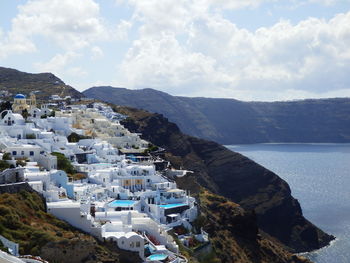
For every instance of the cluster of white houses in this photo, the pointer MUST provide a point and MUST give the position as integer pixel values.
(120, 197)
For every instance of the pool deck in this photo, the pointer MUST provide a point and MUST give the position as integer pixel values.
(121, 203)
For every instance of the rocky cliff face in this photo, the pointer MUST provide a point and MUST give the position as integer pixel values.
(230, 121)
(235, 235)
(234, 176)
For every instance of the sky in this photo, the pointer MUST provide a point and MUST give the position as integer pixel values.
(244, 49)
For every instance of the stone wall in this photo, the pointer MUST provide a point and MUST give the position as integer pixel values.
(14, 175)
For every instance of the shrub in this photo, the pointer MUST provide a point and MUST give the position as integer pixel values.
(21, 163)
(74, 137)
(6, 156)
(4, 165)
(63, 163)
(30, 136)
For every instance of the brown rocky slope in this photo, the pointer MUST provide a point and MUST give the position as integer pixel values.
(234, 233)
(234, 176)
(23, 219)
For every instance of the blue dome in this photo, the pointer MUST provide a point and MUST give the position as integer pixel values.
(20, 96)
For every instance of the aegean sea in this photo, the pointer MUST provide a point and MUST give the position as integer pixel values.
(319, 177)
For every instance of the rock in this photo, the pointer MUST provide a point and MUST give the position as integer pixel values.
(234, 176)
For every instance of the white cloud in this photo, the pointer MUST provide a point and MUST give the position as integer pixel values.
(67, 24)
(123, 29)
(193, 50)
(188, 47)
(76, 72)
(57, 63)
(96, 53)
(328, 2)
(162, 61)
(14, 43)
(60, 65)
(70, 24)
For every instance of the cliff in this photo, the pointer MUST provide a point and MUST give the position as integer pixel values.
(229, 121)
(233, 176)
(235, 235)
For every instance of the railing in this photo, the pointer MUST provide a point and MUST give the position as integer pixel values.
(30, 257)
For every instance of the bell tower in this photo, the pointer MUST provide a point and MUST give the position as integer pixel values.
(32, 101)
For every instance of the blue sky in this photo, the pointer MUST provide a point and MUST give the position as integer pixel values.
(249, 50)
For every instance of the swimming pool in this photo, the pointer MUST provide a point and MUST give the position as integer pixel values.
(157, 257)
(172, 205)
(121, 203)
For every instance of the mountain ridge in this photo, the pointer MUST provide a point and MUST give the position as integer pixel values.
(230, 121)
(44, 84)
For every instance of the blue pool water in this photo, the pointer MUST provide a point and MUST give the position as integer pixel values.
(172, 205)
(319, 177)
(121, 203)
(157, 257)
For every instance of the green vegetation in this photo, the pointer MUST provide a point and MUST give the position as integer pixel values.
(6, 156)
(63, 163)
(25, 114)
(23, 220)
(30, 136)
(4, 165)
(74, 137)
(17, 215)
(21, 162)
(6, 105)
(151, 148)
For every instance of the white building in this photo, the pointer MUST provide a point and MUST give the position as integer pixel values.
(130, 203)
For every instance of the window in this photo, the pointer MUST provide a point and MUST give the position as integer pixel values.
(14, 153)
(138, 244)
(31, 153)
(22, 152)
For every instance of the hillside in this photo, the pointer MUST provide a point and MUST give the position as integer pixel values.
(23, 220)
(255, 221)
(233, 176)
(234, 234)
(46, 84)
(229, 121)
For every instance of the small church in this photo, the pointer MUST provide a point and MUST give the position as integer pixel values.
(21, 103)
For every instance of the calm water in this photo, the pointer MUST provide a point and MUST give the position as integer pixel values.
(319, 176)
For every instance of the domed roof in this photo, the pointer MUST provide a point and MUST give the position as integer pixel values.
(20, 96)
